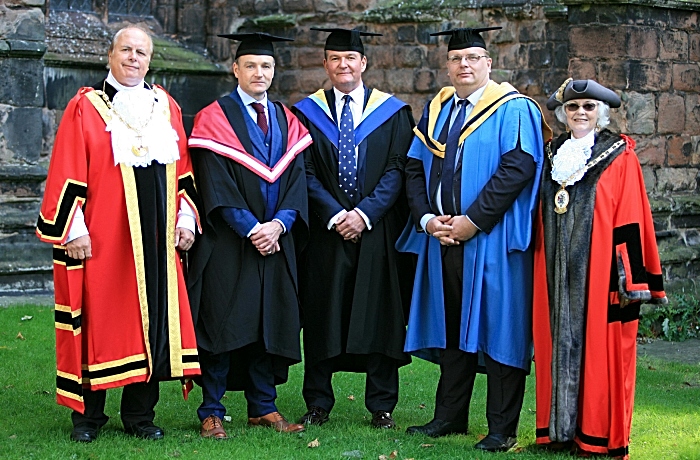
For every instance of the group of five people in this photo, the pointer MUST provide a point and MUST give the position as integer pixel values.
(301, 218)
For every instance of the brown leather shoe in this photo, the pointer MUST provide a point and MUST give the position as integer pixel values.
(279, 423)
(213, 428)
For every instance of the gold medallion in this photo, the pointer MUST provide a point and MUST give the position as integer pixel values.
(561, 201)
(140, 151)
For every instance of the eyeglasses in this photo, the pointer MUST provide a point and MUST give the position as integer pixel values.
(573, 107)
(471, 58)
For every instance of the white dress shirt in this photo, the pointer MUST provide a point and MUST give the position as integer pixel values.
(356, 105)
(472, 99)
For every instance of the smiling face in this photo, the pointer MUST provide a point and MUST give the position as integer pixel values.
(130, 55)
(467, 76)
(581, 116)
(344, 68)
(254, 73)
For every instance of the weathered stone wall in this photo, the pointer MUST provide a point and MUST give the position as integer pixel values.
(22, 123)
(646, 51)
(650, 55)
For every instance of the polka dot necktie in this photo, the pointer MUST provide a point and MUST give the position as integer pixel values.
(262, 121)
(347, 168)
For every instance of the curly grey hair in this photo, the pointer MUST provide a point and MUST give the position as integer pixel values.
(603, 114)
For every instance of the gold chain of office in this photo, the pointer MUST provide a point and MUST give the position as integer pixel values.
(561, 198)
(140, 150)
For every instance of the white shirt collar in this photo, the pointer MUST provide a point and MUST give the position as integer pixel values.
(118, 86)
(357, 95)
(473, 98)
(248, 99)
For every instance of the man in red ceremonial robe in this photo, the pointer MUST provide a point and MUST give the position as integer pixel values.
(118, 206)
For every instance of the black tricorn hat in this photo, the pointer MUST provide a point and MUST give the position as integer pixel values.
(256, 43)
(582, 89)
(465, 38)
(345, 39)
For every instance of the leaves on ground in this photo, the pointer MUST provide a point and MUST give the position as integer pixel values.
(20, 336)
(351, 397)
(421, 406)
(26, 318)
(314, 443)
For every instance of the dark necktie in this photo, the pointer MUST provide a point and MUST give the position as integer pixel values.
(347, 167)
(448, 166)
(262, 121)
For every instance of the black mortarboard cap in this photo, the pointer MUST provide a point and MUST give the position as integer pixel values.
(582, 89)
(345, 39)
(256, 43)
(465, 38)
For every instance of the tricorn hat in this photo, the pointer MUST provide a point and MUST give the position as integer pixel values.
(582, 89)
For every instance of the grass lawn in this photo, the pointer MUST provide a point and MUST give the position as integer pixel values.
(666, 420)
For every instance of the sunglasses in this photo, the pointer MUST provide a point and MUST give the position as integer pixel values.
(588, 106)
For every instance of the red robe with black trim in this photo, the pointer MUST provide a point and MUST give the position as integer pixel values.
(585, 343)
(104, 323)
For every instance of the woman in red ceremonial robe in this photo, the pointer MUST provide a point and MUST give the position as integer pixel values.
(596, 261)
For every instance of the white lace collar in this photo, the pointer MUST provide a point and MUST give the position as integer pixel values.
(140, 127)
(571, 158)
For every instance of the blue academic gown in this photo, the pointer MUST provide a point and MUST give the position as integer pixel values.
(497, 290)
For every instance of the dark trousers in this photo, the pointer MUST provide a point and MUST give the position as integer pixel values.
(138, 403)
(505, 384)
(259, 391)
(381, 384)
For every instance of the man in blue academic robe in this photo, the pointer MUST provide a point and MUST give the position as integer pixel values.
(471, 181)
(242, 279)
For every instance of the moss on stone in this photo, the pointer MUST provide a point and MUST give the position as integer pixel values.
(275, 20)
(685, 205)
(173, 57)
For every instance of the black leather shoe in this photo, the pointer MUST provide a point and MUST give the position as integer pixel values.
(436, 428)
(382, 419)
(314, 416)
(145, 430)
(496, 443)
(85, 432)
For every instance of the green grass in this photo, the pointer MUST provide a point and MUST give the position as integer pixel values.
(666, 420)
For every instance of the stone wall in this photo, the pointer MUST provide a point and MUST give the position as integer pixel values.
(22, 124)
(647, 52)
(650, 55)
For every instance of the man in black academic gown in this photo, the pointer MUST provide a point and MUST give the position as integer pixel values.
(354, 284)
(242, 279)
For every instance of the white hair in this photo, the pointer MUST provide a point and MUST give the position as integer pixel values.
(603, 114)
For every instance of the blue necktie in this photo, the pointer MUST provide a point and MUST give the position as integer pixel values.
(347, 167)
(448, 166)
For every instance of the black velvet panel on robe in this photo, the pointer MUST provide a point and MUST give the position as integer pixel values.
(151, 190)
(355, 296)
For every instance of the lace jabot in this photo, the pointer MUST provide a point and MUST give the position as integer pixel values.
(140, 122)
(571, 158)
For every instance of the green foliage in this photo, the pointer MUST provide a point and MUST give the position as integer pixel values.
(676, 321)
